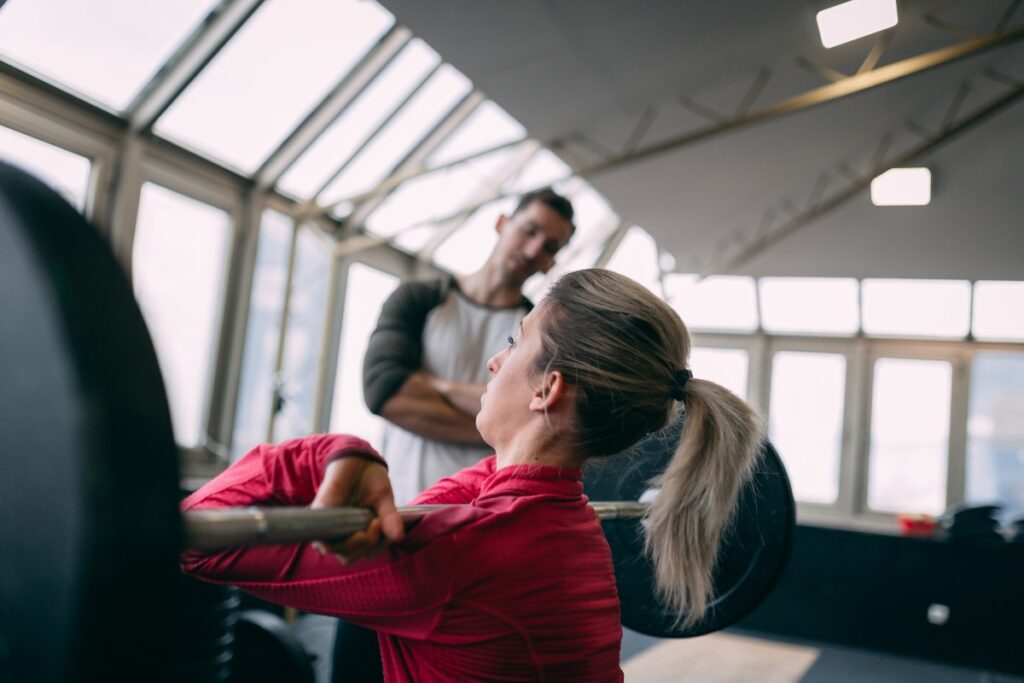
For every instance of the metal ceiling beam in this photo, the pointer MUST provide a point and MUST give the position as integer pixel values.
(833, 91)
(949, 131)
(190, 58)
(332, 106)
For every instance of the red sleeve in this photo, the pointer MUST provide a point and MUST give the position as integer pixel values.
(400, 592)
(288, 473)
(462, 487)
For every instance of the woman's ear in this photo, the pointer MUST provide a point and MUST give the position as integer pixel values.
(552, 392)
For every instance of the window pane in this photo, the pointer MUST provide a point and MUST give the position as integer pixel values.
(260, 86)
(806, 421)
(65, 172)
(808, 305)
(543, 168)
(179, 262)
(387, 150)
(637, 257)
(727, 367)
(488, 126)
(266, 305)
(917, 308)
(366, 292)
(306, 318)
(995, 430)
(358, 122)
(719, 302)
(431, 197)
(999, 310)
(909, 435)
(469, 246)
(105, 49)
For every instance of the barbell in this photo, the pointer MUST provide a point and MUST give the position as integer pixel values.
(89, 520)
(220, 529)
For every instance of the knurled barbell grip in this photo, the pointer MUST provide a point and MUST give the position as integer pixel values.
(229, 528)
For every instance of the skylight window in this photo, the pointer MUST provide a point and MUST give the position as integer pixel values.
(916, 308)
(592, 215)
(106, 50)
(488, 126)
(312, 170)
(999, 311)
(637, 258)
(855, 19)
(902, 187)
(719, 302)
(808, 305)
(543, 168)
(433, 196)
(283, 61)
(388, 148)
(468, 247)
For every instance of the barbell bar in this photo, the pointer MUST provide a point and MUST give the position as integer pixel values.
(249, 526)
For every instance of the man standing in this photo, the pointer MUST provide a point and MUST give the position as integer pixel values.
(426, 364)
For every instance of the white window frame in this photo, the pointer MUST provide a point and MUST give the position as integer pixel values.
(843, 507)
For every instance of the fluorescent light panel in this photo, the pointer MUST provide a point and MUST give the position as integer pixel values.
(902, 187)
(854, 19)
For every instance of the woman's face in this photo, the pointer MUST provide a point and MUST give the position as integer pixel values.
(505, 405)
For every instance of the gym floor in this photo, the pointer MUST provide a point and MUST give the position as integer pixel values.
(728, 657)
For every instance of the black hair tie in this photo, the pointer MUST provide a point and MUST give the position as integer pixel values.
(679, 388)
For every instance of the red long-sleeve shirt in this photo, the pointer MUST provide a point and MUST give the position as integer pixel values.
(516, 585)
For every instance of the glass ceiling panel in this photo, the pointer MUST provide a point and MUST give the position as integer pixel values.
(999, 310)
(488, 126)
(381, 97)
(469, 246)
(809, 305)
(722, 302)
(106, 50)
(260, 86)
(593, 216)
(543, 168)
(416, 119)
(637, 257)
(916, 308)
(431, 197)
(413, 240)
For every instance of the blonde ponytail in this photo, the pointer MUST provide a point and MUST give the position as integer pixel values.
(719, 446)
(625, 350)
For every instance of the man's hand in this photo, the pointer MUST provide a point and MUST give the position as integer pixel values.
(355, 481)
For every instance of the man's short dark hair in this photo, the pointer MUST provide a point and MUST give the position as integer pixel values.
(561, 205)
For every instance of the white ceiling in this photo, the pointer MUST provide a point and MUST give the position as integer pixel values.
(598, 67)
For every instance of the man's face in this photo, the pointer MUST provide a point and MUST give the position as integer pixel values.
(528, 242)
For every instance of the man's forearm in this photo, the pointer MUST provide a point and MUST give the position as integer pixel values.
(419, 408)
(465, 396)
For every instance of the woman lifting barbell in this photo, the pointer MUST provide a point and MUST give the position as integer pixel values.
(519, 584)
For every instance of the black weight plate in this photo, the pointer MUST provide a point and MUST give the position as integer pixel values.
(89, 529)
(753, 554)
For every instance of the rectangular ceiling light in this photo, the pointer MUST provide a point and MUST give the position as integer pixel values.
(902, 187)
(854, 19)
